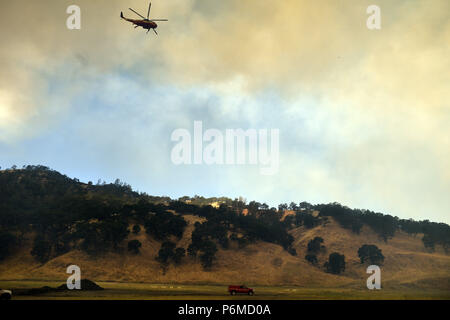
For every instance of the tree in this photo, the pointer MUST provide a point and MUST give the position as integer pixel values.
(208, 252)
(356, 226)
(292, 251)
(305, 205)
(311, 258)
(370, 253)
(136, 229)
(98, 237)
(253, 207)
(41, 249)
(92, 241)
(315, 245)
(114, 231)
(179, 254)
(166, 252)
(428, 241)
(309, 221)
(134, 246)
(7, 243)
(335, 263)
(293, 206)
(192, 250)
(163, 224)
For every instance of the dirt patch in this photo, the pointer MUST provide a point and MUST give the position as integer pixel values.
(86, 285)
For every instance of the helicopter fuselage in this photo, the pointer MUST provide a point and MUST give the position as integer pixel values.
(142, 23)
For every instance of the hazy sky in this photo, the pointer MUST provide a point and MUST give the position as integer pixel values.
(364, 115)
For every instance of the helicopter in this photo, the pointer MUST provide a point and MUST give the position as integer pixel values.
(145, 23)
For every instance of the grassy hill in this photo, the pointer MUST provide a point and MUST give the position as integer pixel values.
(256, 249)
(407, 263)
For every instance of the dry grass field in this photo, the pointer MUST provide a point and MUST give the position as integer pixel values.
(145, 291)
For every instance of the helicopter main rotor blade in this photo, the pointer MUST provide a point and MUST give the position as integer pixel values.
(149, 7)
(155, 31)
(158, 20)
(137, 13)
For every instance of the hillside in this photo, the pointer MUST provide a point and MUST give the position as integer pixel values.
(257, 248)
(407, 263)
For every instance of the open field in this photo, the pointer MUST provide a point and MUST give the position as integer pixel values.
(146, 291)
